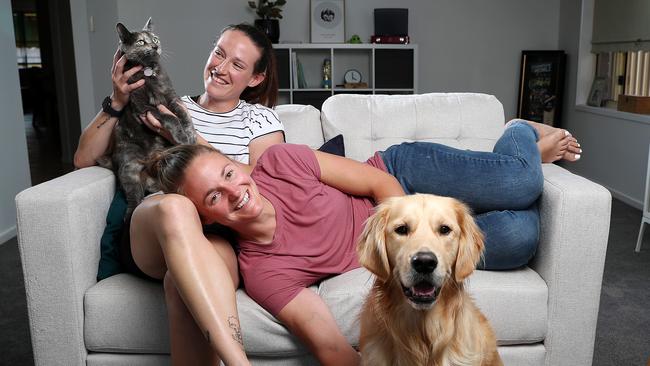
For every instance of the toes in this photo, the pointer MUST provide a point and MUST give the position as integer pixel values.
(574, 149)
(569, 156)
(564, 143)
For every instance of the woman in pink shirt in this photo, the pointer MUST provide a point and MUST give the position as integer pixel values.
(299, 213)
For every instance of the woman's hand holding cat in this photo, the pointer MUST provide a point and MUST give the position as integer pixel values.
(121, 87)
(154, 124)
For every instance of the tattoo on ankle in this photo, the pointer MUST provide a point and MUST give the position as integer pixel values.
(233, 323)
(207, 335)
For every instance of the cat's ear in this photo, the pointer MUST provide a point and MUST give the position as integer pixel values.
(123, 33)
(149, 26)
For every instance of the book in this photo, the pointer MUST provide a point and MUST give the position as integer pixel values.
(645, 79)
(628, 74)
(294, 69)
(632, 71)
(620, 74)
(613, 80)
(638, 74)
(301, 76)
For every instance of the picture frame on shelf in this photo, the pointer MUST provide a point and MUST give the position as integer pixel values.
(598, 91)
(541, 86)
(327, 18)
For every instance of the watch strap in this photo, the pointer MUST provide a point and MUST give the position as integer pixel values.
(108, 108)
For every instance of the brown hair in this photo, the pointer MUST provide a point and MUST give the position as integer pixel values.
(266, 92)
(168, 167)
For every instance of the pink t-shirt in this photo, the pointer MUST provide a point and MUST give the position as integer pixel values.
(317, 227)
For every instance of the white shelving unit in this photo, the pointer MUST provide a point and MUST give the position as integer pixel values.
(386, 68)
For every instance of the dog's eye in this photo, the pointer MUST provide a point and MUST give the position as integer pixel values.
(402, 229)
(444, 230)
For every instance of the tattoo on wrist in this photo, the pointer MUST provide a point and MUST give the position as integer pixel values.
(233, 323)
(104, 122)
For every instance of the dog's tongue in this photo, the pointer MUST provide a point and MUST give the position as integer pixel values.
(423, 289)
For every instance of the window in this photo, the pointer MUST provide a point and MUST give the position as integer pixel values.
(28, 52)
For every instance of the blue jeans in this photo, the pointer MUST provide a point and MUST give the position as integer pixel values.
(501, 187)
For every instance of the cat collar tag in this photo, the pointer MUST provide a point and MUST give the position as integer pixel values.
(148, 71)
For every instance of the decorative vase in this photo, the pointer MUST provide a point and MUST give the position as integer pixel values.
(270, 27)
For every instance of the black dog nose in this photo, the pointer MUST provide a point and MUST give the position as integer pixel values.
(424, 262)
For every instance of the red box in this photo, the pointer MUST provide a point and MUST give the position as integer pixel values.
(390, 39)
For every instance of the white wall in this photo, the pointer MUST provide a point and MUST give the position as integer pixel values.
(464, 45)
(615, 145)
(13, 147)
(85, 77)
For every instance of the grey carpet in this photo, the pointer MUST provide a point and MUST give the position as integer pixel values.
(15, 341)
(622, 336)
(623, 332)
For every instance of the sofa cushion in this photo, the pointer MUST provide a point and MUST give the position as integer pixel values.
(515, 303)
(301, 124)
(109, 261)
(126, 314)
(334, 146)
(380, 121)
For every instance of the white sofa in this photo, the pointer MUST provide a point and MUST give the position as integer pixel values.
(543, 314)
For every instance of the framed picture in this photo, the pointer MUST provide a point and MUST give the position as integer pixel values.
(541, 85)
(598, 91)
(327, 21)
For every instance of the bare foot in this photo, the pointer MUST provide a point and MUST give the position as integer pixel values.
(542, 128)
(573, 151)
(555, 143)
(553, 146)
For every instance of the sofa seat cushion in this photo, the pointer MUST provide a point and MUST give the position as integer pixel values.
(374, 122)
(515, 303)
(125, 314)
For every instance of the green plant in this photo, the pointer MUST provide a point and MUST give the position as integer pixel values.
(267, 9)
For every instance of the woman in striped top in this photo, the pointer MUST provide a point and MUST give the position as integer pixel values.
(233, 115)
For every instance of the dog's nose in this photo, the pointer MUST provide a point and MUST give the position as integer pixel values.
(424, 262)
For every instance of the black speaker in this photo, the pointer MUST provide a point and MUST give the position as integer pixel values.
(391, 22)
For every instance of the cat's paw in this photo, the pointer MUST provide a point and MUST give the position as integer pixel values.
(184, 136)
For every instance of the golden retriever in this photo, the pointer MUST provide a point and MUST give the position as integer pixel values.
(421, 248)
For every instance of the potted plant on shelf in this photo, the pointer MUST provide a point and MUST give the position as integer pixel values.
(268, 12)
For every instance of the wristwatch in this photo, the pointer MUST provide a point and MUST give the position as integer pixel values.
(108, 109)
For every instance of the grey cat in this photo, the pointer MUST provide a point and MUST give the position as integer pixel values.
(133, 142)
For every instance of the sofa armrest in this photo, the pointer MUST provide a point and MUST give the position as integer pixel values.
(575, 217)
(59, 226)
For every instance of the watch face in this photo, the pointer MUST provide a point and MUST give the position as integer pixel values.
(352, 76)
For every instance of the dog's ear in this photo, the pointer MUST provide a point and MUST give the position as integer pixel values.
(371, 247)
(470, 247)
